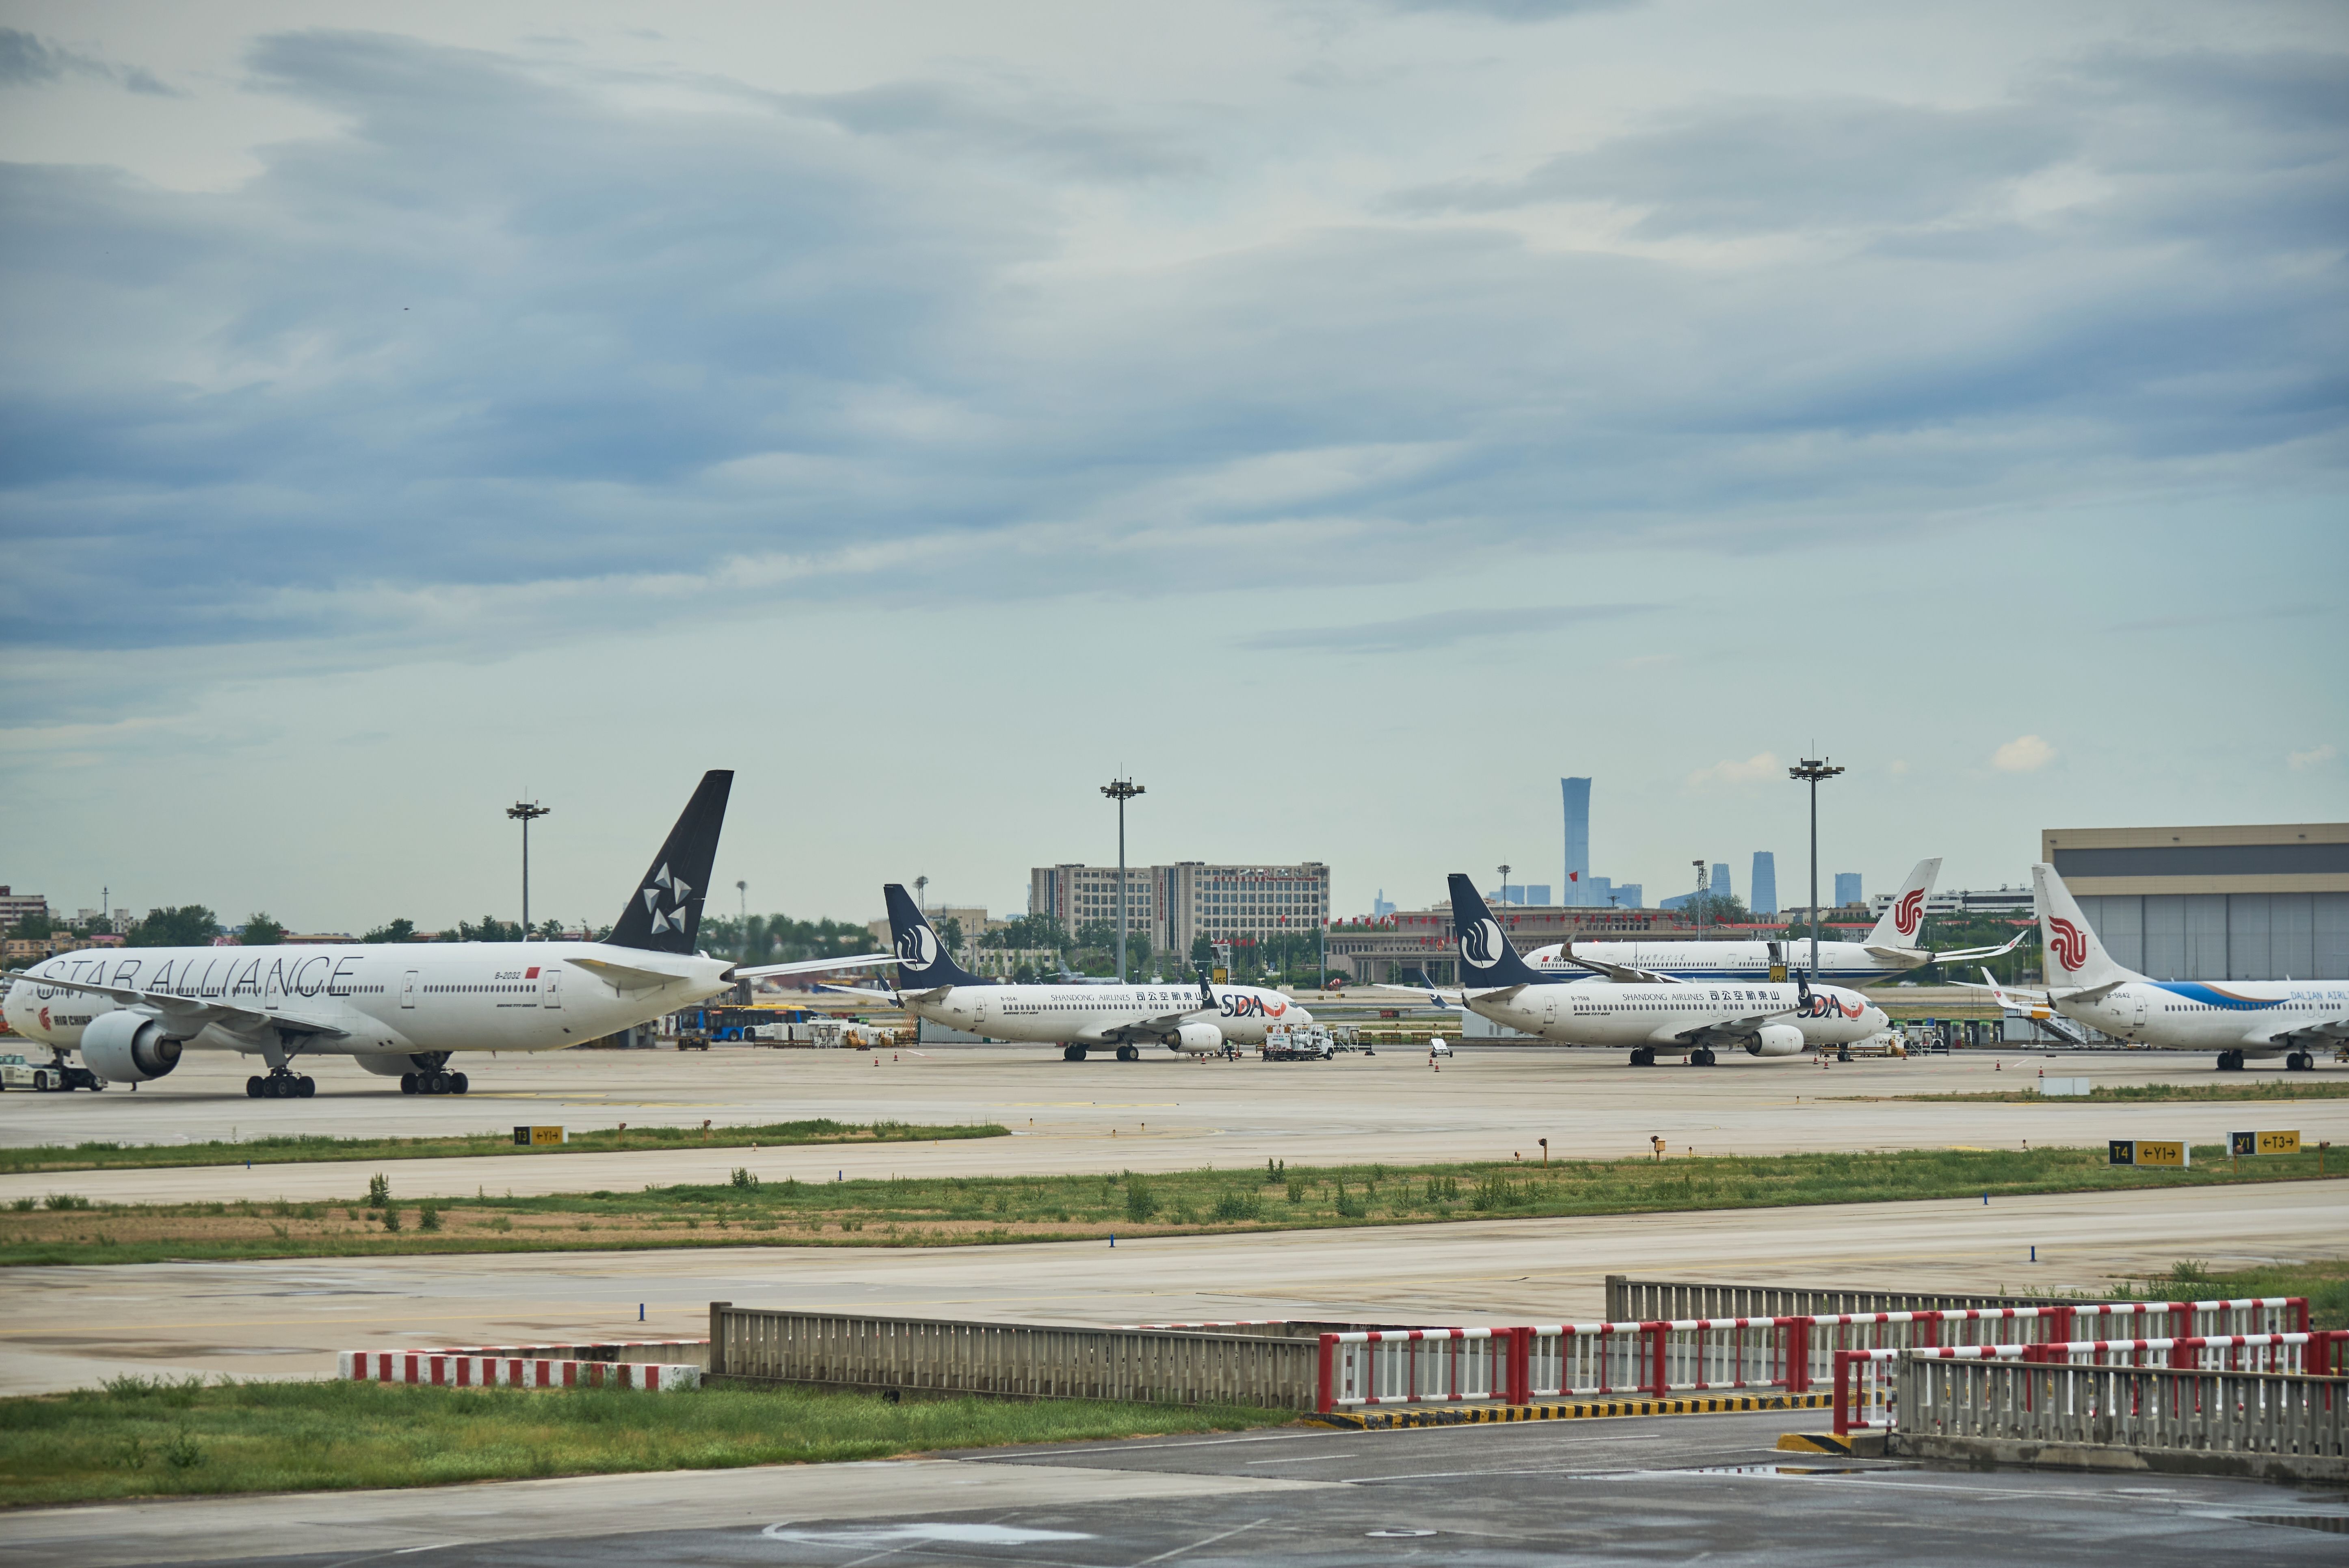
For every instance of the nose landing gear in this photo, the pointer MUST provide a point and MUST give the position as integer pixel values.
(283, 1083)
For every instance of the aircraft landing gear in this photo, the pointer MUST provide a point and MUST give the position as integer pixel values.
(1072, 1053)
(283, 1083)
(2300, 1062)
(434, 1082)
(2231, 1061)
(1701, 1057)
(1129, 1052)
(1643, 1056)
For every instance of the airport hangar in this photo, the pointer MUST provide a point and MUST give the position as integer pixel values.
(2254, 903)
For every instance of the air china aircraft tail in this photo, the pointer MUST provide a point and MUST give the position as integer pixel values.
(1903, 919)
(1487, 956)
(2074, 957)
(666, 913)
(922, 961)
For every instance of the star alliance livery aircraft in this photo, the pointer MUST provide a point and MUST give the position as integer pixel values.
(1889, 949)
(1655, 1017)
(398, 1009)
(2236, 1019)
(1076, 1017)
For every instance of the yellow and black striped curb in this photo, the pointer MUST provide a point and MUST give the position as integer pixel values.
(1572, 1411)
(1855, 1445)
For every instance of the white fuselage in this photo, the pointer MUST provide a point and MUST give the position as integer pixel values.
(1105, 1015)
(2258, 1018)
(1724, 961)
(1671, 1019)
(388, 999)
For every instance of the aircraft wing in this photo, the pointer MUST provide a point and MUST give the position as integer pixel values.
(1918, 958)
(1434, 995)
(1622, 974)
(625, 976)
(889, 996)
(1730, 1029)
(1158, 1029)
(812, 965)
(192, 1011)
(2335, 1028)
(1498, 993)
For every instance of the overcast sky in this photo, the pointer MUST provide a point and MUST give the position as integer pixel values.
(1346, 418)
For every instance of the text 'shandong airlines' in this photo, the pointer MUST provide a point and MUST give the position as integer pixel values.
(403, 1010)
(1656, 1015)
(2239, 1019)
(1890, 949)
(1199, 1019)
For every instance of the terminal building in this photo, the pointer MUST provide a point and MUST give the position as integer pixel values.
(1176, 904)
(2261, 902)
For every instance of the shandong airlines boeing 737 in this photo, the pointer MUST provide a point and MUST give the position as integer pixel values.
(398, 1009)
(1188, 1020)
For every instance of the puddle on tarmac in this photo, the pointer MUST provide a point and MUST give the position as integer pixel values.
(877, 1537)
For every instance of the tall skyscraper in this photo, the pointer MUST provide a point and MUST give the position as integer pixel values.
(1720, 879)
(1765, 883)
(1847, 888)
(1578, 841)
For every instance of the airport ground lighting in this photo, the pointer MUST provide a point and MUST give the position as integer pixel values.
(1120, 790)
(526, 812)
(1811, 770)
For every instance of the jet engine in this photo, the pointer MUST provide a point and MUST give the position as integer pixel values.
(1199, 1039)
(128, 1046)
(1775, 1040)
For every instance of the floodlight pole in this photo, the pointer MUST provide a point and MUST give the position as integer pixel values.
(525, 813)
(1120, 790)
(1502, 896)
(1811, 770)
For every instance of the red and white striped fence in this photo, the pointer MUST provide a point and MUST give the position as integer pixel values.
(1866, 1380)
(1518, 1365)
(454, 1370)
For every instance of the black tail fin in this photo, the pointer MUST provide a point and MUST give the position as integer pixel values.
(923, 960)
(1487, 956)
(664, 915)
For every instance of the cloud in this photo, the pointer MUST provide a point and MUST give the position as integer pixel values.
(25, 60)
(1760, 767)
(1443, 628)
(2024, 754)
(1515, 10)
(2314, 757)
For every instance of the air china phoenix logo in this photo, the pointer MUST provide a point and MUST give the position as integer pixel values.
(1480, 943)
(2066, 942)
(917, 948)
(45, 1018)
(1906, 913)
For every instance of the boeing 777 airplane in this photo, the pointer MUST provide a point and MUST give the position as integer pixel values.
(401, 1009)
(1656, 1017)
(1888, 951)
(1199, 1020)
(2239, 1019)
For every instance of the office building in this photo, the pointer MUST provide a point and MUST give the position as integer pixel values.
(19, 907)
(1174, 904)
(1720, 879)
(1846, 889)
(2250, 902)
(1576, 792)
(1765, 883)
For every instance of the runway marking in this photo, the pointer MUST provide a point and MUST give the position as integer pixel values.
(1210, 1541)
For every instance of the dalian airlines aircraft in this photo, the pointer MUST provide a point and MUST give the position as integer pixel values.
(1660, 1018)
(2236, 1019)
(401, 1009)
(1889, 949)
(1190, 1021)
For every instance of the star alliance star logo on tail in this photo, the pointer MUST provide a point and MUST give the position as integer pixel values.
(679, 888)
(2070, 947)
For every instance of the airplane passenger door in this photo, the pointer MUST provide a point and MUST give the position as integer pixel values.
(1549, 1008)
(408, 989)
(550, 988)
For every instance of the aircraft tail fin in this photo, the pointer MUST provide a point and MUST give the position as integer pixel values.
(922, 961)
(1903, 920)
(1487, 956)
(665, 914)
(2074, 957)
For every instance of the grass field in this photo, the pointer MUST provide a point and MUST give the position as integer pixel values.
(2268, 1091)
(284, 1150)
(966, 1210)
(2325, 1284)
(137, 1437)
